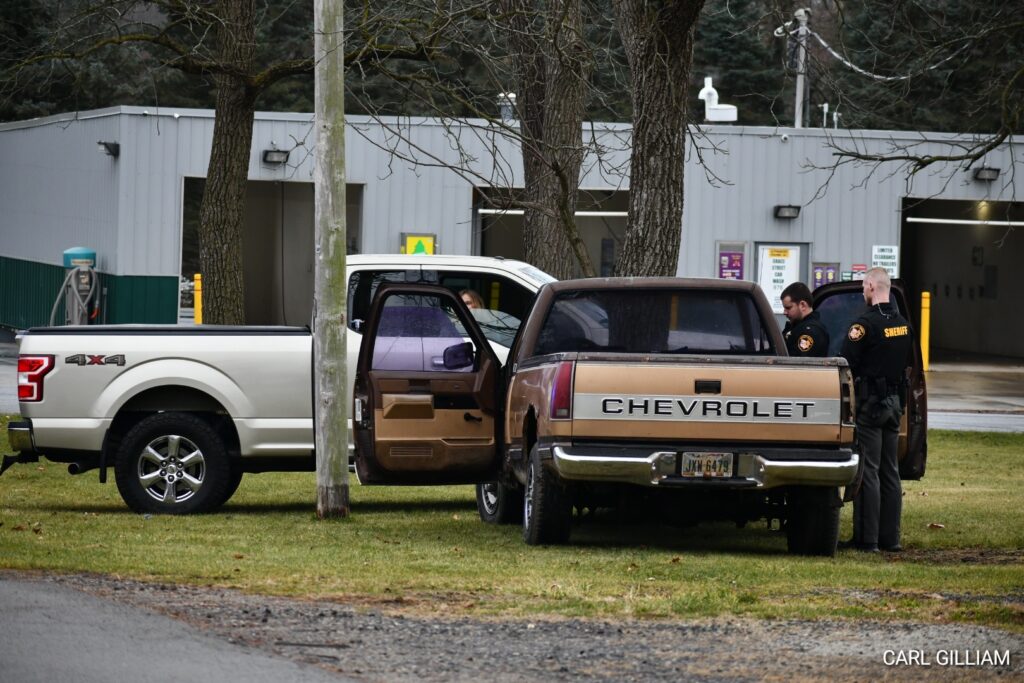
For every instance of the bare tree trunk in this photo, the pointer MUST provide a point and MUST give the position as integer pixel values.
(658, 40)
(552, 66)
(329, 343)
(221, 211)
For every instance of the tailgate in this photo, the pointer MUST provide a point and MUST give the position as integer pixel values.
(762, 400)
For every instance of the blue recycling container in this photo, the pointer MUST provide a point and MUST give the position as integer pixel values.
(79, 256)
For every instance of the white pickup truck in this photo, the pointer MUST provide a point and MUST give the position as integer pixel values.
(182, 412)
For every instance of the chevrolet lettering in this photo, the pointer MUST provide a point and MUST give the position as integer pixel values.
(739, 409)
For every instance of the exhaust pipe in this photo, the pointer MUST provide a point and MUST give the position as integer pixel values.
(80, 467)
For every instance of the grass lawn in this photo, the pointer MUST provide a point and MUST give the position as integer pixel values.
(424, 548)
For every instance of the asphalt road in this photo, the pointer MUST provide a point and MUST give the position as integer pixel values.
(55, 633)
(61, 636)
(8, 377)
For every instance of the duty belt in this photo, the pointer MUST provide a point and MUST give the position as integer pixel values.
(877, 386)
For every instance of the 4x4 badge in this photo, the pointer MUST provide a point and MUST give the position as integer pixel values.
(90, 359)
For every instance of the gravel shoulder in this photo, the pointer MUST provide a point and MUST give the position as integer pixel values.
(378, 643)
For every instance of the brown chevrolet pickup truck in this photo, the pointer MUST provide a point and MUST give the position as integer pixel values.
(661, 394)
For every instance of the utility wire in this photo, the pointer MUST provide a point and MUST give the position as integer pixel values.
(781, 31)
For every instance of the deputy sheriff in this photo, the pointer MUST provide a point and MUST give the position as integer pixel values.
(878, 347)
(804, 332)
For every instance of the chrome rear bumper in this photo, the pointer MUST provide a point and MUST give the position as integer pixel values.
(751, 469)
(19, 434)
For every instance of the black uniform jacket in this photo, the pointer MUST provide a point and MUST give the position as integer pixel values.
(879, 345)
(807, 338)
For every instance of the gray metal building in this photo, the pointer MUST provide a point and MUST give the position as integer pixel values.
(944, 230)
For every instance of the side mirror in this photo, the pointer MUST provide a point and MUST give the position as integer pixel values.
(458, 356)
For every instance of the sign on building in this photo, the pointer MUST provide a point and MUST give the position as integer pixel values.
(777, 267)
(886, 256)
(731, 257)
(418, 243)
(824, 274)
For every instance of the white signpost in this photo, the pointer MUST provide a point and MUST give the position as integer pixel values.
(886, 256)
(777, 267)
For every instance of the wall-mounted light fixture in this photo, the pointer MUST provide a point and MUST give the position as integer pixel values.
(787, 211)
(986, 174)
(109, 148)
(275, 157)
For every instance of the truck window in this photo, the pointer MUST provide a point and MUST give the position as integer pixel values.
(363, 284)
(506, 303)
(413, 333)
(655, 321)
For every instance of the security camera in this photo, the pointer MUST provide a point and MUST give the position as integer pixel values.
(785, 138)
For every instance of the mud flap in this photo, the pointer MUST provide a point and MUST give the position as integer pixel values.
(18, 458)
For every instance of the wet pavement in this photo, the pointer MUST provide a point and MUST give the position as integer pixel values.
(8, 374)
(966, 393)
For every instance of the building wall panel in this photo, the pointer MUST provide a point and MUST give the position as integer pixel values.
(58, 190)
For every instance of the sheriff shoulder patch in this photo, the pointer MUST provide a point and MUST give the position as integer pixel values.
(805, 343)
(856, 332)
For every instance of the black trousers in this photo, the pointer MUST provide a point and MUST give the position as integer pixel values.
(878, 505)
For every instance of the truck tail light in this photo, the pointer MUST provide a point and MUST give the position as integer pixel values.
(846, 405)
(31, 370)
(561, 392)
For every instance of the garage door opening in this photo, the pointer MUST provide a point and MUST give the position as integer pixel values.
(277, 248)
(968, 255)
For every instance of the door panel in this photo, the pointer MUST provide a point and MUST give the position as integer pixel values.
(427, 411)
(839, 304)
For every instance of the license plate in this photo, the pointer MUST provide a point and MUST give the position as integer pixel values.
(707, 465)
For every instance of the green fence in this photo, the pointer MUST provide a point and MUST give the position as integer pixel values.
(28, 290)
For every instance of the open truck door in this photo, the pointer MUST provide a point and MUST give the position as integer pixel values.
(839, 304)
(425, 405)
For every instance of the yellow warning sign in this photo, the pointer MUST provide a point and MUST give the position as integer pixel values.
(422, 243)
(778, 253)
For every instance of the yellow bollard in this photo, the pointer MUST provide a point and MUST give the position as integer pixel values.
(926, 322)
(197, 299)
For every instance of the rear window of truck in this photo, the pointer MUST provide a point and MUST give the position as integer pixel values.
(655, 321)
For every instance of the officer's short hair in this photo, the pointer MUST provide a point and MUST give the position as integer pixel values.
(880, 276)
(798, 292)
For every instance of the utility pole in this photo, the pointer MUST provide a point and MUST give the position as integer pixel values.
(802, 17)
(330, 408)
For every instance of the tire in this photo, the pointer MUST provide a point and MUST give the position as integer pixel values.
(234, 480)
(547, 509)
(498, 503)
(175, 464)
(812, 521)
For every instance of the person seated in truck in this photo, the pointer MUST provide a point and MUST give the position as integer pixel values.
(804, 332)
(472, 299)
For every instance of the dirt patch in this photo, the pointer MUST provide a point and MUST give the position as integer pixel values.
(372, 640)
(959, 556)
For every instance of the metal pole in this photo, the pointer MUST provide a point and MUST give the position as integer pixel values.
(926, 324)
(802, 16)
(197, 299)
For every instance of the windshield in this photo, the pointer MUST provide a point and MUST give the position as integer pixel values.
(655, 321)
(537, 275)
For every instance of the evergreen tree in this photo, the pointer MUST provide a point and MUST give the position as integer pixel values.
(734, 45)
(962, 59)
